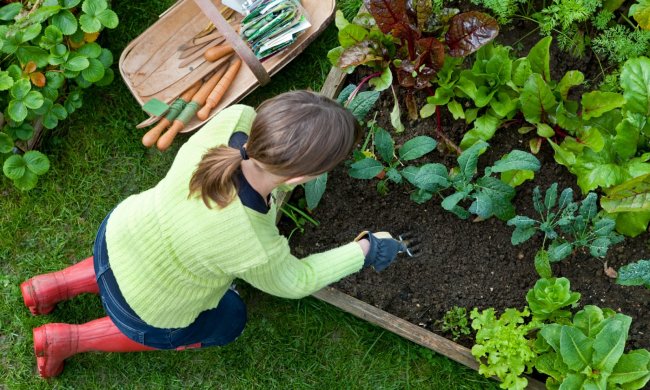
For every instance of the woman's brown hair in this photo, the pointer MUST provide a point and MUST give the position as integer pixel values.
(294, 134)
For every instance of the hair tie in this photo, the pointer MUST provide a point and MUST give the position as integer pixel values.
(242, 151)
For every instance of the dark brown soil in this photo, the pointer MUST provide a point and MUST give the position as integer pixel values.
(464, 263)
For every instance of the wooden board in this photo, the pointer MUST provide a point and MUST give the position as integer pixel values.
(156, 48)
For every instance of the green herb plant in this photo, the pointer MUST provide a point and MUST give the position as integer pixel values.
(567, 226)
(635, 274)
(455, 322)
(50, 57)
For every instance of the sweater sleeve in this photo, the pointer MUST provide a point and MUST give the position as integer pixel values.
(286, 276)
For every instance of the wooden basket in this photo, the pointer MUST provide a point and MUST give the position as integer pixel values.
(149, 63)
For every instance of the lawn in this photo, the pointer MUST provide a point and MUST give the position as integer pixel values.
(96, 161)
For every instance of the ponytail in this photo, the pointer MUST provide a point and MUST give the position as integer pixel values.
(215, 177)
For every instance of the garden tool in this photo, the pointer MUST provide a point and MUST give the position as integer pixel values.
(41, 293)
(411, 244)
(53, 343)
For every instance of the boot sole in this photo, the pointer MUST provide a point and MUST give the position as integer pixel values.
(29, 298)
(40, 350)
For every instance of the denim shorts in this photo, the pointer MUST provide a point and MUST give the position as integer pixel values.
(218, 326)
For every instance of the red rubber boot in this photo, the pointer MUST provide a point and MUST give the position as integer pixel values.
(53, 343)
(41, 293)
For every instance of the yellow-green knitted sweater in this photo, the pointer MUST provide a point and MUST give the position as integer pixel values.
(173, 257)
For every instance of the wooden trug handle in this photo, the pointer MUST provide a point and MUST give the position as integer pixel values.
(166, 139)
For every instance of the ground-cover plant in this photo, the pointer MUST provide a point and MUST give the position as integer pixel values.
(635, 274)
(402, 39)
(50, 56)
(455, 322)
(567, 226)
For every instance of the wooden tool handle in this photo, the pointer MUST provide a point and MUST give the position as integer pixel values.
(166, 139)
(216, 52)
(202, 94)
(219, 90)
(151, 136)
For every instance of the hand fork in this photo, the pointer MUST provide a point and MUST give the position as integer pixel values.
(411, 244)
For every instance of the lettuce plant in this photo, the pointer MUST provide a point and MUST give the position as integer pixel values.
(549, 296)
(568, 225)
(588, 353)
(50, 55)
(635, 274)
(502, 346)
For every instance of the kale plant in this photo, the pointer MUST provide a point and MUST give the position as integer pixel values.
(635, 274)
(568, 225)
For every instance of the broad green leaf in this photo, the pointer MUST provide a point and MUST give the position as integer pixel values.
(576, 349)
(591, 138)
(362, 104)
(33, 100)
(484, 128)
(339, 20)
(456, 109)
(107, 79)
(67, 4)
(394, 175)
(384, 81)
(421, 196)
(542, 264)
(6, 81)
(632, 195)
(20, 89)
(641, 13)
(635, 274)
(351, 35)
(27, 181)
(566, 197)
(610, 342)
(33, 53)
(503, 104)
(627, 135)
(65, 21)
(482, 205)
(635, 81)
(544, 130)
(551, 334)
(632, 224)
(429, 177)
(632, 367)
(17, 110)
(559, 252)
(570, 79)
(589, 320)
(365, 169)
(450, 202)
(596, 103)
(14, 167)
(76, 63)
(427, 110)
(334, 56)
(500, 195)
(539, 58)
(36, 162)
(417, 147)
(468, 160)
(6, 143)
(314, 190)
(538, 205)
(517, 160)
(521, 221)
(517, 177)
(384, 144)
(522, 234)
(106, 58)
(90, 50)
(108, 18)
(94, 72)
(604, 227)
(395, 115)
(536, 99)
(441, 97)
(521, 71)
(9, 11)
(89, 24)
(588, 207)
(551, 196)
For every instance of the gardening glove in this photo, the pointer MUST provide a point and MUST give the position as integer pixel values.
(383, 249)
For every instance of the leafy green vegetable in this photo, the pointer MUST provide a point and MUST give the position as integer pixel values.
(549, 296)
(635, 274)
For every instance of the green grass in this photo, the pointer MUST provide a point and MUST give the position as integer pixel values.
(97, 160)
